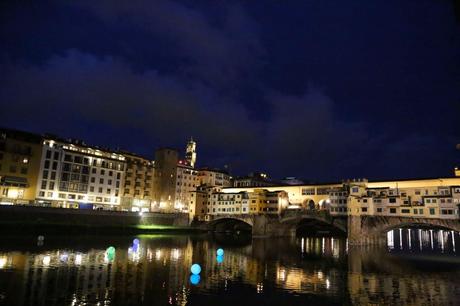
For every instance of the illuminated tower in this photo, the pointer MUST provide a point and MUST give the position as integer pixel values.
(190, 152)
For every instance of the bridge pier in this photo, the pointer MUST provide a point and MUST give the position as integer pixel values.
(270, 226)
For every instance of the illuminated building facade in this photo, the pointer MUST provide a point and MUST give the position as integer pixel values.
(174, 178)
(430, 198)
(20, 155)
(200, 200)
(186, 182)
(190, 153)
(74, 175)
(253, 180)
(137, 185)
(214, 177)
(228, 203)
(164, 179)
(435, 198)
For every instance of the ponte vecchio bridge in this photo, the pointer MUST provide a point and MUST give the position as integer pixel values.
(364, 211)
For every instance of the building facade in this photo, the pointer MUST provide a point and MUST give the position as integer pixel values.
(214, 177)
(137, 185)
(190, 153)
(186, 182)
(74, 175)
(253, 180)
(425, 198)
(164, 179)
(20, 156)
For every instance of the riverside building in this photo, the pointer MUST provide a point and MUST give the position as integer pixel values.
(74, 175)
(214, 177)
(424, 198)
(174, 178)
(20, 156)
(137, 185)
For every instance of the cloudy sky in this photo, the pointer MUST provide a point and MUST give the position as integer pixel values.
(321, 90)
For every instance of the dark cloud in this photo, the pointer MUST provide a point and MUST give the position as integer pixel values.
(238, 78)
(215, 50)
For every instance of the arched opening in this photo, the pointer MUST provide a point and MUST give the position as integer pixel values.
(422, 238)
(315, 227)
(324, 204)
(230, 225)
(308, 204)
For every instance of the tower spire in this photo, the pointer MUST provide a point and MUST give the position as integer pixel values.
(190, 152)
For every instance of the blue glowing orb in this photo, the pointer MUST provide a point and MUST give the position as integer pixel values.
(136, 241)
(195, 269)
(195, 279)
(220, 252)
(220, 259)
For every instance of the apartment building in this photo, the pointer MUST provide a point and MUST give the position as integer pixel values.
(137, 185)
(20, 156)
(214, 177)
(255, 179)
(186, 182)
(74, 175)
(229, 203)
(200, 202)
(433, 198)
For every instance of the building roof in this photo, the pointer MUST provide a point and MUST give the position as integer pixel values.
(21, 135)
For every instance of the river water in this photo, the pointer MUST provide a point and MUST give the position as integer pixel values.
(416, 267)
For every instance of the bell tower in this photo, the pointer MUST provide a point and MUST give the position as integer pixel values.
(190, 152)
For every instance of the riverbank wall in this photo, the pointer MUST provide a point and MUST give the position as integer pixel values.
(22, 218)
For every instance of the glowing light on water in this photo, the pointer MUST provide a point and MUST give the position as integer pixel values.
(78, 259)
(431, 239)
(64, 257)
(3, 261)
(420, 238)
(390, 239)
(195, 279)
(453, 240)
(175, 254)
(409, 240)
(195, 269)
(441, 233)
(260, 287)
(46, 260)
(400, 238)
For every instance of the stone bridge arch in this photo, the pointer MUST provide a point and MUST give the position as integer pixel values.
(339, 223)
(229, 222)
(373, 229)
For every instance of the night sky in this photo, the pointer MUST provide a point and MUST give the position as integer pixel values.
(320, 90)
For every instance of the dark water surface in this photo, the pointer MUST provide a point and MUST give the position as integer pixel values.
(415, 268)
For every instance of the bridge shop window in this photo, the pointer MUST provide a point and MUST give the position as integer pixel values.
(447, 212)
(379, 210)
(392, 210)
(405, 211)
(308, 191)
(364, 209)
(432, 211)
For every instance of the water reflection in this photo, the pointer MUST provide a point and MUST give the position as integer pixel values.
(423, 240)
(156, 271)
